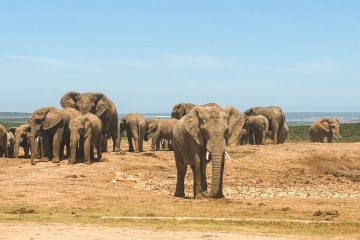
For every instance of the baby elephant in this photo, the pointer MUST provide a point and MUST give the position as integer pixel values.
(135, 126)
(162, 129)
(257, 127)
(85, 132)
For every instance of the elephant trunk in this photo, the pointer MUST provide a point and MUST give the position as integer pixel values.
(217, 175)
(33, 150)
(73, 147)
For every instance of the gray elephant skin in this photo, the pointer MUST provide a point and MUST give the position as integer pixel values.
(202, 130)
(275, 116)
(53, 125)
(257, 128)
(323, 130)
(3, 142)
(101, 106)
(162, 130)
(135, 126)
(85, 130)
(236, 127)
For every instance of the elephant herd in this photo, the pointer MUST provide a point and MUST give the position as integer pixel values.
(198, 134)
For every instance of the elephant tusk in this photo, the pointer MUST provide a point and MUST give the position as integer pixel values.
(207, 155)
(340, 136)
(227, 155)
(336, 136)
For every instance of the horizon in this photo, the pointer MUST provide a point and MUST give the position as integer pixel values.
(301, 55)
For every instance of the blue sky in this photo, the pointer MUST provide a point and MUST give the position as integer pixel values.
(146, 56)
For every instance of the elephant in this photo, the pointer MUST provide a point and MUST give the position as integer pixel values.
(22, 139)
(236, 131)
(101, 106)
(275, 116)
(324, 130)
(11, 144)
(53, 125)
(283, 134)
(181, 109)
(162, 130)
(135, 126)
(85, 130)
(198, 138)
(3, 142)
(257, 128)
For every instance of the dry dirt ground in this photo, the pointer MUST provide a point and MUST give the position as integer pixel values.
(302, 189)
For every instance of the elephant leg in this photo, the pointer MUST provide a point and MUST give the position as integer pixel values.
(56, 144)
(131, 147)
(180, 179)
(98, 151)
(87, 151)
(26, 151)
(196, 168)
(154, 140)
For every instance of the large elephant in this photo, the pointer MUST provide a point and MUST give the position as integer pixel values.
(181, 109)
(101, 106)
(85, 130)
(3, 142)
(200, 137)
(324, 130)
(162, 130)
(22, 139)
(257, 128)
(53, 125)
(283, 134)
(135, 126)
(275, 116)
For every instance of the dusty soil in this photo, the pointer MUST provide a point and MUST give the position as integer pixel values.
(293, 181)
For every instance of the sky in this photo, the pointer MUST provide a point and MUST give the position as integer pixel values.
(146, 56)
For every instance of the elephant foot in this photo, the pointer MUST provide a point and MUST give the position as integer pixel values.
(87, 162)
(103, 159)
(55, 160)
(33, 163)
(179, 194)
(70, 162)
(216, 195)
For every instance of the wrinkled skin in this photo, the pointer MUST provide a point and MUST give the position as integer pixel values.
(23, 139)
(283, 135)
(11, 144)
(135, 126)
(51, 124)
(275, 116)
(257, 128)
(202, 129)
(236, 130)
(101, 106)
(85, 130)
(181, 109)
(324, 130)
(3, 142)
(162, 130)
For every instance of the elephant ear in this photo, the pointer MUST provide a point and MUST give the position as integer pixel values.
(236, 119)
(69, 99)
(102, 103)
(189, 107)
(250, 112)
(192, 125)
(325, 125)
(52, 119)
